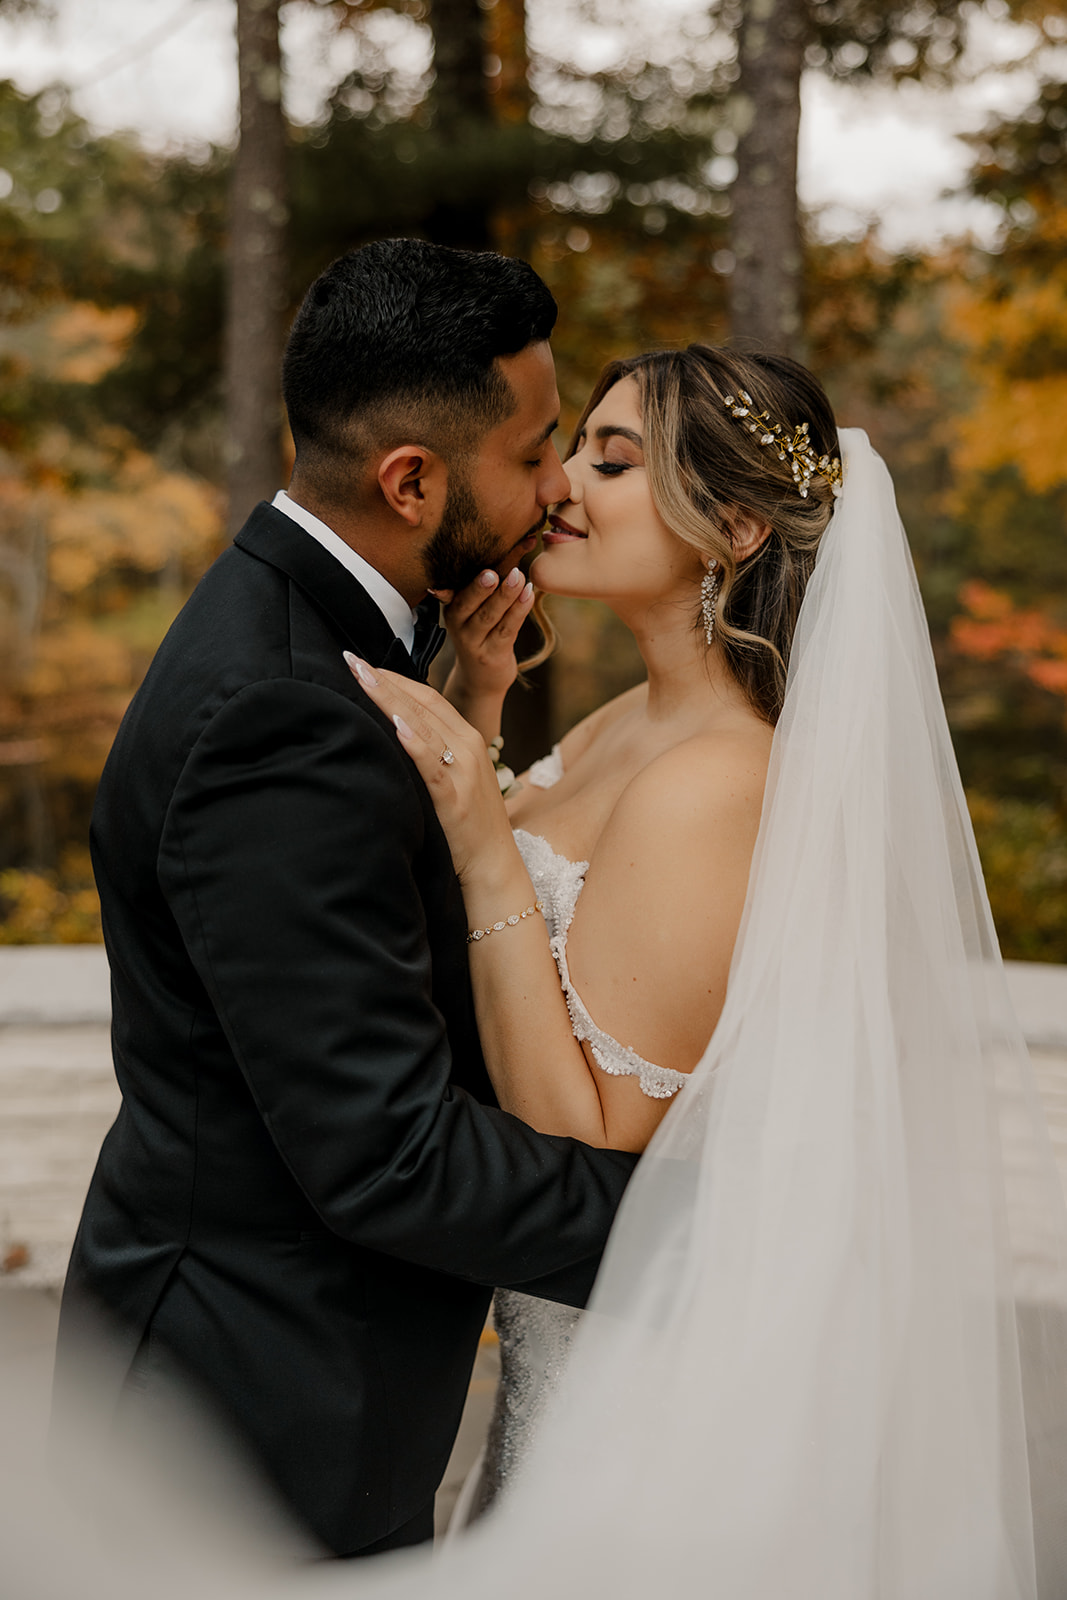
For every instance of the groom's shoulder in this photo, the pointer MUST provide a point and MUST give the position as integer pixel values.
(236, 621)
(235, 632)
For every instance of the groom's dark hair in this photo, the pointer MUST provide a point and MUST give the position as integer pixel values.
(399, 341)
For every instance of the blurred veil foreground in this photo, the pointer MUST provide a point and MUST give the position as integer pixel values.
(826, 1358)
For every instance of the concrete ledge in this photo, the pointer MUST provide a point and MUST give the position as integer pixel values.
(58, 1094)
(54, 985)
(1039, 994)
(66, 985)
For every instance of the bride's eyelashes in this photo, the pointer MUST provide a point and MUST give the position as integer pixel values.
(611, 469)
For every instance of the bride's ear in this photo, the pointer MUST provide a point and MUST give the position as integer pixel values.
(747, 534)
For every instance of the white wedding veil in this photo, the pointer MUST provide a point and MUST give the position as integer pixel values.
(827, 1353)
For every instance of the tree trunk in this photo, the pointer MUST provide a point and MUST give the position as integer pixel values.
(256, 285)
(767, 282)
(461, 114)
(468, 101)
(509, 82)
(529, 712)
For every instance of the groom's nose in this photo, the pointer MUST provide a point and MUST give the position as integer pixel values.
(554, 484)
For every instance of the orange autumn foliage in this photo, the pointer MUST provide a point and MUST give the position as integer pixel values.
(993, 628)
(1018, 409)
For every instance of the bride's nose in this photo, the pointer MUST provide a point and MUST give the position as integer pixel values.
(574, 494)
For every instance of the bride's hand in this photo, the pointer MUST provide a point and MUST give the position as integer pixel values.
(483, 621)
(456, 768)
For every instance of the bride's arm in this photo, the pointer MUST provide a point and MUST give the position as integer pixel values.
(656, 871)
(547, 1081)
(649, 948)
(483, 622)
(653, 935)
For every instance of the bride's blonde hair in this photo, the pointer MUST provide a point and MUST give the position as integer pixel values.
(707, 472)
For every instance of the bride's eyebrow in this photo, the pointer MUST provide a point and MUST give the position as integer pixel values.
(610, 432)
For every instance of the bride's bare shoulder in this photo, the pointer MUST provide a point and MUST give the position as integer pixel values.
(709, 785)
(582, 735)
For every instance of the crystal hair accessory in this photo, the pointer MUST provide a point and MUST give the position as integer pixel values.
(796, 448)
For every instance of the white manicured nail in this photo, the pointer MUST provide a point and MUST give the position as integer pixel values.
(361, 669)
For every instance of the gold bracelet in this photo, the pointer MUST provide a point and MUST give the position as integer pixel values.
(508, 922)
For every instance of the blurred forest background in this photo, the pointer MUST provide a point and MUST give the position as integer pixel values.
(144, 298)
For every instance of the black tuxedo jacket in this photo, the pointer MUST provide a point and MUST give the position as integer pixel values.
(308, 1190)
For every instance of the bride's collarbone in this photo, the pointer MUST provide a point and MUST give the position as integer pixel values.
(574, 812)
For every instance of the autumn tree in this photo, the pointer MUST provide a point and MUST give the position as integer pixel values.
(850, 40)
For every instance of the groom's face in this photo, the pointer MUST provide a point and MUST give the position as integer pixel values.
(496, 503)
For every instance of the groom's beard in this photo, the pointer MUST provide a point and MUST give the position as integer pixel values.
(463, 543)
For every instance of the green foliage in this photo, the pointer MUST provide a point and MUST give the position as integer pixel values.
(1024, 857)
(865, 38)
(98, 219)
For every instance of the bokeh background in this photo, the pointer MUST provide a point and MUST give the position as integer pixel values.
(173, 174)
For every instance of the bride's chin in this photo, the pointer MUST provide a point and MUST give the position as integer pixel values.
(550, 574)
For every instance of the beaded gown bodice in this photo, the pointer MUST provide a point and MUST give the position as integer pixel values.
(536, 1335)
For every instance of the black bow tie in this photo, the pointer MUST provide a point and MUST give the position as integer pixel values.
(429, 635)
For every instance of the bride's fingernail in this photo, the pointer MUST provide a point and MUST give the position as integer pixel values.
(360, 668)
(513, 577)
(487, 580)
(402, 728)
(527, 593)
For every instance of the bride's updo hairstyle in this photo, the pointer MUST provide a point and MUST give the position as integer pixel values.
(708, 472)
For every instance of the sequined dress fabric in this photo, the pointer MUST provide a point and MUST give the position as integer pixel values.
(536, 1335)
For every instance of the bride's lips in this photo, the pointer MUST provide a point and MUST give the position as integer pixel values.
(560, 532)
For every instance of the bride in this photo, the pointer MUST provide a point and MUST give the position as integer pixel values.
(827, 1354)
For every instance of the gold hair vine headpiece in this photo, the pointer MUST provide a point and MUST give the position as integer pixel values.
(797, 450)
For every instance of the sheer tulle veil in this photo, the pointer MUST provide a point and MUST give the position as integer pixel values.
(827, 1353)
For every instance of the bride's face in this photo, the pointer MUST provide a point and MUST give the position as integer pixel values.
(607, 541)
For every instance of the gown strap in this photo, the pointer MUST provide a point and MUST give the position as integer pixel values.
(617, 1060)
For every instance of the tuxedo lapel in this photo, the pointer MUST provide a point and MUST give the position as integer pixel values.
(270, 536)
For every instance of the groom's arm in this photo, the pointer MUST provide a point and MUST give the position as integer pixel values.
(288, 862)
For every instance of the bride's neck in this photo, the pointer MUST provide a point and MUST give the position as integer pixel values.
(687, 682)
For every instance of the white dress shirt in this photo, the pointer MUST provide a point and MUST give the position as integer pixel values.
(392, 605)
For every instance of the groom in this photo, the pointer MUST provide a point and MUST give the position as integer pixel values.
(308, 1191)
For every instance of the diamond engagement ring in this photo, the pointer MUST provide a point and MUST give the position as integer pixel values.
(446, 757)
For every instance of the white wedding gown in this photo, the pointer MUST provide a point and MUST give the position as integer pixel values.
(536, 1335)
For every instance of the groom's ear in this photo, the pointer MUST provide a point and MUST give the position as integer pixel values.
(413, 481)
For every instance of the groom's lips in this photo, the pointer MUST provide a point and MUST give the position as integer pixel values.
(560, 532)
